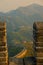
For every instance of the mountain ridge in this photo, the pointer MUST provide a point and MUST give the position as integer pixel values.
(18, 21)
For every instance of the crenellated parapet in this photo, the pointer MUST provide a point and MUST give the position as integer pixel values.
(3, 44)
(38, 42)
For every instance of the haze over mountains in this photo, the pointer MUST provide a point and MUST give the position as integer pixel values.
(25, 15)
(20, 21)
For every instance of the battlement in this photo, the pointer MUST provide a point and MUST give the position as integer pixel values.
(38, 41)
(3, 44)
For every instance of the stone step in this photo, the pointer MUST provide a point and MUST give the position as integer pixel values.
(39, 59)
(39, 63)
(39, 54)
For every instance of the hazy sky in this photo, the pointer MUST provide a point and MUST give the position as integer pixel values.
(7, 5)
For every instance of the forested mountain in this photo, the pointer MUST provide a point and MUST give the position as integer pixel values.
(19, 24)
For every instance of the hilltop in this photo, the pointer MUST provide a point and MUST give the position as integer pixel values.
(19, 24)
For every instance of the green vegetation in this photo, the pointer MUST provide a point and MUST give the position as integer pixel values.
(19, 25)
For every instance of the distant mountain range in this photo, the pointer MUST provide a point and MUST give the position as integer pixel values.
(24, 15)
(21, 17)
